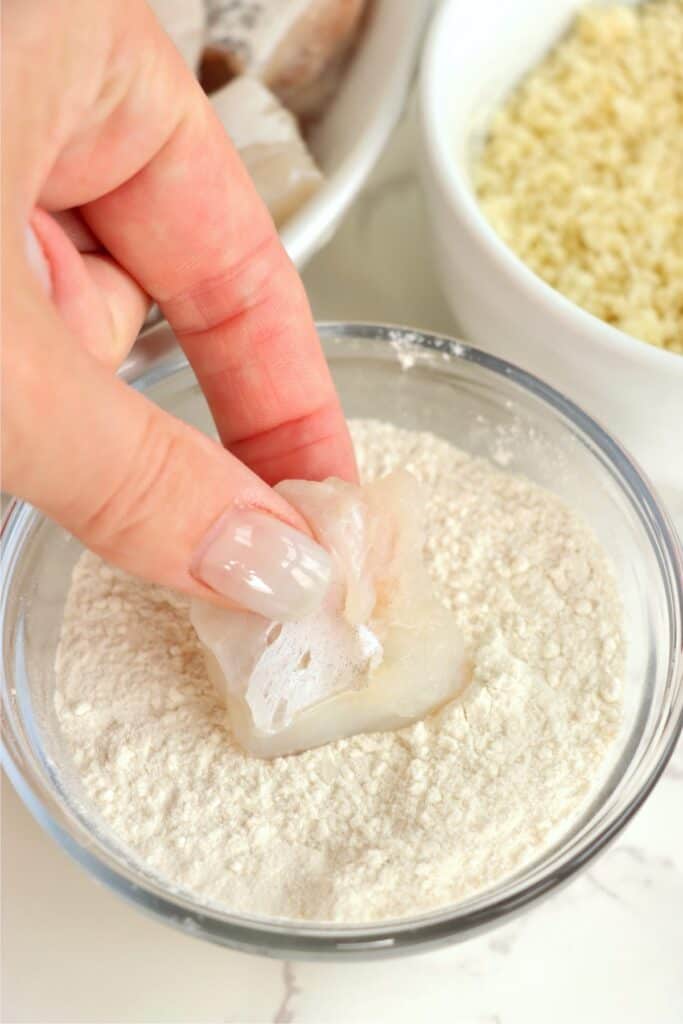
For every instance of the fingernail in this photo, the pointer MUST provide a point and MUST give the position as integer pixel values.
(264, 565)
(37, 261)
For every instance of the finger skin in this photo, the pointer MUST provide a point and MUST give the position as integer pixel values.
(98, 301)
(137, 486)
(191, 229)
(112, 122)
(162, 187)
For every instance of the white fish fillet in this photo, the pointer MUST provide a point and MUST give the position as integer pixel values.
(268, 139)
(295, 47)
(380, 654)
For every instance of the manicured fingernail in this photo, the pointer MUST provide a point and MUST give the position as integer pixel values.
(262, 564)
(37, 261)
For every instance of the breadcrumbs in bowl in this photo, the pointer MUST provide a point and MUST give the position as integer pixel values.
(582, 171)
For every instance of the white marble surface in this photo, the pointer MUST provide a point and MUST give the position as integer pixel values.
(606, 950)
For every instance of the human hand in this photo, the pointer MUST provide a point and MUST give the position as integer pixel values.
(101, 116)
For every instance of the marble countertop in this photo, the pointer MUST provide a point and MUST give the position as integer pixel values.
(608, 949)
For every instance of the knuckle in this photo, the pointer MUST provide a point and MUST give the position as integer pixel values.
(131, 511)
(219, 300)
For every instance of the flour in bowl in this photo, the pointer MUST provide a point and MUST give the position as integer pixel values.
(378, 825)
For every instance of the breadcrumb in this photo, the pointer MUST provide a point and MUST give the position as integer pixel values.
(582, 172)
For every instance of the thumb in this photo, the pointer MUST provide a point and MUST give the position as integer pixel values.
(144, 490)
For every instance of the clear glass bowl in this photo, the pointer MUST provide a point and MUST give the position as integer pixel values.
(485, 406)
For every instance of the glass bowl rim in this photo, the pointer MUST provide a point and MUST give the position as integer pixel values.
(310, 940)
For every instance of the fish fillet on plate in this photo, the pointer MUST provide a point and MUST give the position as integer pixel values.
(295, 47)
(381, 652)
(270, 145)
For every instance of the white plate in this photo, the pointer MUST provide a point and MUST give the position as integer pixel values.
(350, 137)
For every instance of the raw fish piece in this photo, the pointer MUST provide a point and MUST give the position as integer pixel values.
(185, 23)
(295, 47)
(267, 137)
(380, 654)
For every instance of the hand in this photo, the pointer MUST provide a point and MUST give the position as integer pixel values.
(102, 118)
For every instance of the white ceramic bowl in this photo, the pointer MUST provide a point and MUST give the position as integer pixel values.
(474, 55)
(350, 137)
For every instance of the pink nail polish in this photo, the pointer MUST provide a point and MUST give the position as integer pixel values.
(264, 565)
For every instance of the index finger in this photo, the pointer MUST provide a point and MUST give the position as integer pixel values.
(191, 229)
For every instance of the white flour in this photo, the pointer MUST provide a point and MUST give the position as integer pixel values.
(379, 825)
